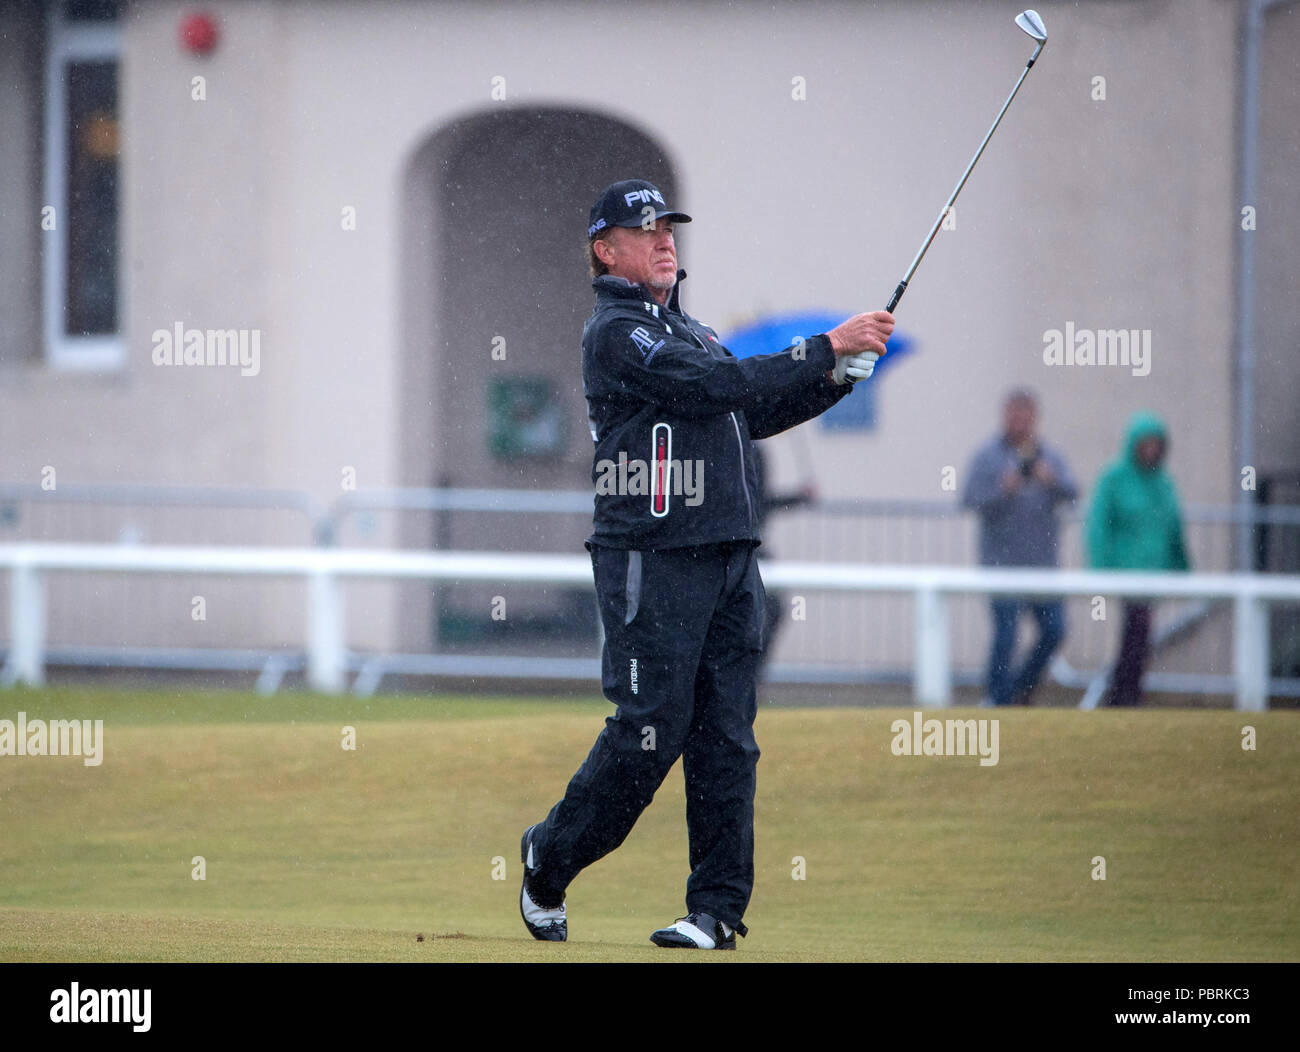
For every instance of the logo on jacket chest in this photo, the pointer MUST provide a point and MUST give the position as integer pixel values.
(646, 342)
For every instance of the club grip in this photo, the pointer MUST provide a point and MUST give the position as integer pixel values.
(898, 295)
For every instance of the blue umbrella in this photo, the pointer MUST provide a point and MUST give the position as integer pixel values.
(776, 332)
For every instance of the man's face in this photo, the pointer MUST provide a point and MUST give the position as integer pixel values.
(644, 257)
(1018, 419)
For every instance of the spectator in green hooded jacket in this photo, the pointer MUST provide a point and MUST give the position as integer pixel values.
(1135, 524)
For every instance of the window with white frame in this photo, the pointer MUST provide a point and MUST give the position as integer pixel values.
(82, 290)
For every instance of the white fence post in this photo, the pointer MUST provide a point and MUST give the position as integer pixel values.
(1250, 652)
(27, 626)
(326, 646)
(932, 683)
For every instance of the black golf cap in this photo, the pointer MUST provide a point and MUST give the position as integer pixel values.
(624, 203)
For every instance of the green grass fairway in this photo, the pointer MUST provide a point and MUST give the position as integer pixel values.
(314, 853)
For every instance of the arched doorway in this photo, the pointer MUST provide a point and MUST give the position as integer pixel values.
(495, 293)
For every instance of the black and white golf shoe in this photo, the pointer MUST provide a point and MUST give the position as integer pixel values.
(546, 923)
(696, 931)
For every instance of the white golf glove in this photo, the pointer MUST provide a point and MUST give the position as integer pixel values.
(851, 368)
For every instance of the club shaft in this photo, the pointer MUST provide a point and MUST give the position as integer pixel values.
(902, 285)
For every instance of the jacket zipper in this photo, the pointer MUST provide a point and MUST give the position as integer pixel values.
(740, 444)
(744, 482)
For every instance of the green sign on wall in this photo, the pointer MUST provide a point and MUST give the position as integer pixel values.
(524, 418)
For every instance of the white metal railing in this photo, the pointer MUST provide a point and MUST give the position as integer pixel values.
(325, 568)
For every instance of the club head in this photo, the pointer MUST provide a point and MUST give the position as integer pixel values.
(1032, 24)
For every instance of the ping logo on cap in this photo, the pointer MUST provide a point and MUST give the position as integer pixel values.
(645, 196)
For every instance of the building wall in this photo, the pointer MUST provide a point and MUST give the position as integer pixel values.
(1104, 214)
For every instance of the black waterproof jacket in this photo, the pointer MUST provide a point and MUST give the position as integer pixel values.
(673, 414)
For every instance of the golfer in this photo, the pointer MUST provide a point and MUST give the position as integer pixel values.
(673, 414)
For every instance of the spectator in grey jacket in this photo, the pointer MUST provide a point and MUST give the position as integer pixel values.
(1016, 484)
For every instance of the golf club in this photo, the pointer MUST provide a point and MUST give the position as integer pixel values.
(1032, 24)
